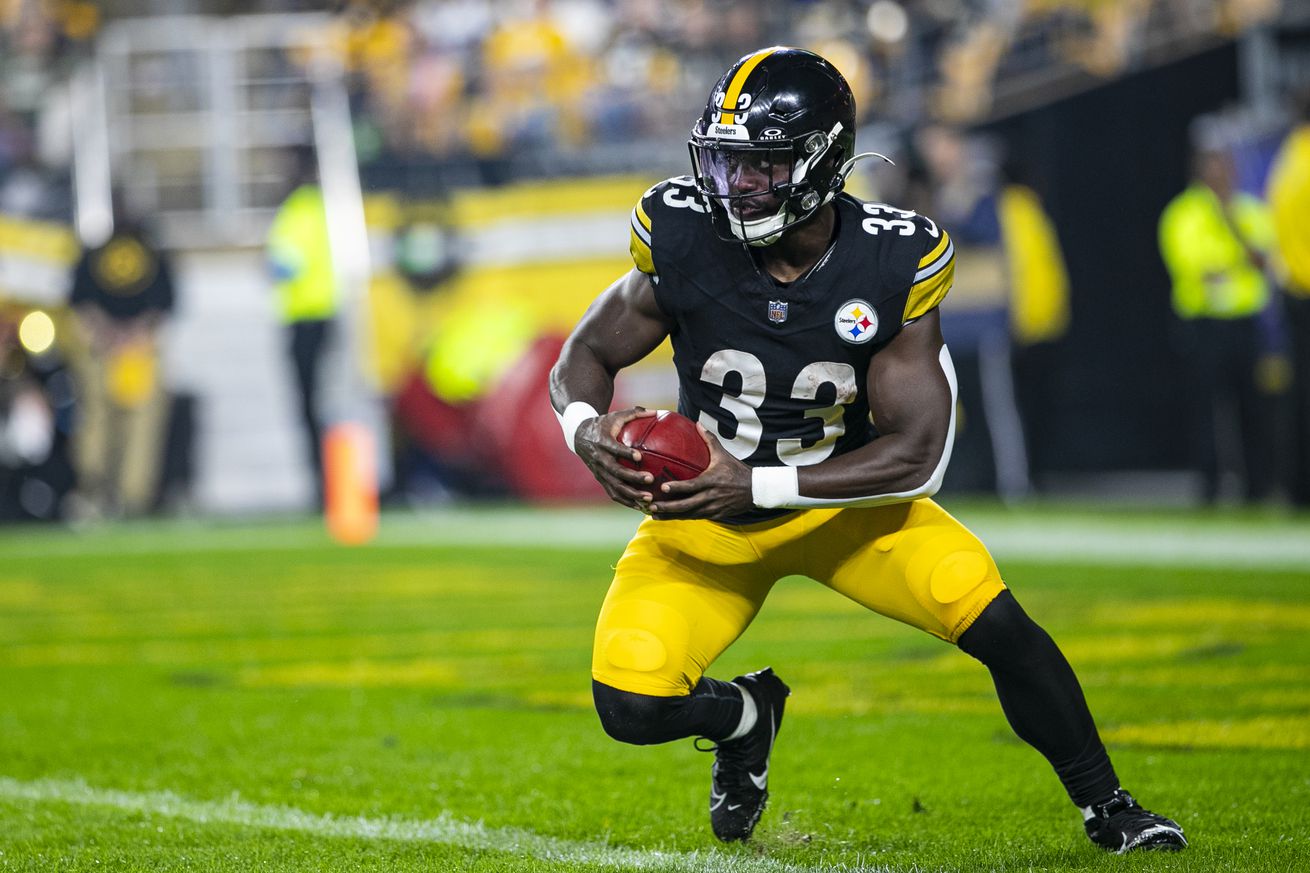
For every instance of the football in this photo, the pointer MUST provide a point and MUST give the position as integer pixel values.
(671, 447)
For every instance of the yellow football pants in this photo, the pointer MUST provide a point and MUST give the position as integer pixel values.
(685, 590)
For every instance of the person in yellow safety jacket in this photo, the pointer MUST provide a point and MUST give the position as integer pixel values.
(1214, 240)
(1289, 198)
(305, 284)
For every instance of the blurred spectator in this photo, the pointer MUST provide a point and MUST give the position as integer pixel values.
(305, 283)
(1215, 240)
(1039, 312)
(407, 297)
(475, 345)
(534, 82)
(957, 186)
(473, 411)
(1112, 34)
(967, 66)
(122, 292)
(34, 471)
(1289, 197)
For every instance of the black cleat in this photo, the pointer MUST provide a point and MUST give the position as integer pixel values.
(1121, 825)
(739, 787)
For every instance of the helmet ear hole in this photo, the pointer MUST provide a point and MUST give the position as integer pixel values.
(831, 165)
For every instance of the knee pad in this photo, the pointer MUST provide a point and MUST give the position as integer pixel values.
(629, 717)
(642, 645)
(947, 566)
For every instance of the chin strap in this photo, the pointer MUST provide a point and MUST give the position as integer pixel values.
(771, 235)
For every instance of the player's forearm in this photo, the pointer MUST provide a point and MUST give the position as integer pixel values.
(892, 468)
(581, 388)
(579, 376)
(621, 327)
(897, 467)
(886, 471)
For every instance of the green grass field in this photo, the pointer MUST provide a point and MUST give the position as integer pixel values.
(223, 697)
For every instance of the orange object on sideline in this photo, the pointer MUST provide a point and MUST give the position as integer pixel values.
(350, 484)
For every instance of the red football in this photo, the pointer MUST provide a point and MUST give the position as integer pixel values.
(671, 447)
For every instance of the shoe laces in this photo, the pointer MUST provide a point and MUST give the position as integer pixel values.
(1122, 802)
(1125, 812)
(731, 759)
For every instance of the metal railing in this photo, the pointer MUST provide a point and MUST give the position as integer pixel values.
(195, 118)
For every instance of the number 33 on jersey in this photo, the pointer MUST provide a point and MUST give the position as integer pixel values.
(778, 373)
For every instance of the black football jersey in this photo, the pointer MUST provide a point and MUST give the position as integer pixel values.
(778, 372)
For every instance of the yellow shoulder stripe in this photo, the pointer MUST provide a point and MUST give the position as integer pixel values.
(733, 94)
(936, 251)
(934, 279)
(641, 255)
(639, 245)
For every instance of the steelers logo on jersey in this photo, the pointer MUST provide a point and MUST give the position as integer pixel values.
(856, 321)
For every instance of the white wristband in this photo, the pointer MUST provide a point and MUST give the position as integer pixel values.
(572, 418)
(773, 487)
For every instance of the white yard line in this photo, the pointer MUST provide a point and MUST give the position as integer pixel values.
(1122, 542)
(445, 829)
(1103, 540)
(1109, 541)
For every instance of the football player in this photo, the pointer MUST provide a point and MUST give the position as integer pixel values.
(807, 343)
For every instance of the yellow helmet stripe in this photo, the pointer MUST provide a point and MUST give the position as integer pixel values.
(738, 82)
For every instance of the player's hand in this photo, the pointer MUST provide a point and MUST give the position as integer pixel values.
(723, 490)
(599, 448)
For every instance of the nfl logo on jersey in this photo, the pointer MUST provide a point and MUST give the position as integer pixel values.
(777, 311)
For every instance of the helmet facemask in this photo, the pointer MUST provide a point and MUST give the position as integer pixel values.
(757, 188)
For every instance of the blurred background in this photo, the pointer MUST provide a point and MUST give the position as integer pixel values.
(229, 229)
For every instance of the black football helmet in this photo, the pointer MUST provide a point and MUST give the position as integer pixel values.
(774, 144)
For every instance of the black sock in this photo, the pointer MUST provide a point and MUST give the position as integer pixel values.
(712, 710)
(1041, 698)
